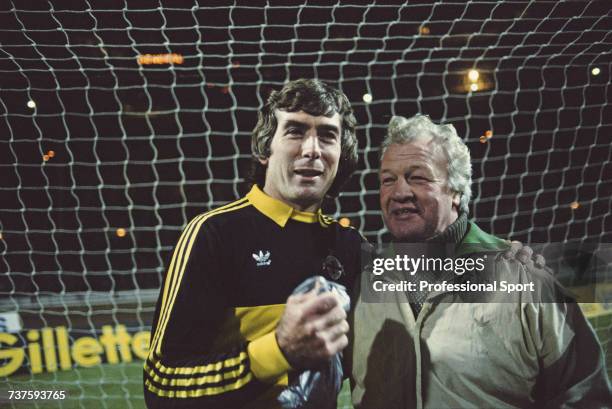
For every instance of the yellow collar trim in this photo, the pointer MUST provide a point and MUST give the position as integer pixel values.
(278, 211)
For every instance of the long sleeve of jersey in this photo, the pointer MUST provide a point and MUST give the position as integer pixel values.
(186, 367)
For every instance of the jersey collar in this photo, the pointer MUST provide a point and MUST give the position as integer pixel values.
(278, 211)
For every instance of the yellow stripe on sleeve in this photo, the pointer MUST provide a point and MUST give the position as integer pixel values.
(170, 278)
(196, 393)
(199, 377)
(200, 369)
(170, 291)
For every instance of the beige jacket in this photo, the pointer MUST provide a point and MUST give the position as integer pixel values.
(519, 354)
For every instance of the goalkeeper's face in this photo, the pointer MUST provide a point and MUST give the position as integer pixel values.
(305, 152)
(415, 199)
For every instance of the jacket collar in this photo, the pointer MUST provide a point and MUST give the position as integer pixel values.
(478, 241)
(475, 241)
(279, 211)
(453, 233)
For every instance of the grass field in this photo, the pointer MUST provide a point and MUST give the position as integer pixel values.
(120, 386)
(105, 386)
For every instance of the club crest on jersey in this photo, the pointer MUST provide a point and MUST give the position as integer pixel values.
(262, 259)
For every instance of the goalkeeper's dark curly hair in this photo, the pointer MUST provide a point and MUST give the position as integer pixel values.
(315, 98)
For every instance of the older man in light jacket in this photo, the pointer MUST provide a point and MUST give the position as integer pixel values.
(432, 349)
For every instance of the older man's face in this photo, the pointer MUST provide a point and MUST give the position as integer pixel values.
(414, 195)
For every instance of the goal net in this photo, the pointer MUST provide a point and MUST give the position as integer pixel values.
(120, 121)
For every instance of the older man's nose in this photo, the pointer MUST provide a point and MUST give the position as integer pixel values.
(402, 191)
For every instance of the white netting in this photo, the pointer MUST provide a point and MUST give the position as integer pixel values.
(111, 142)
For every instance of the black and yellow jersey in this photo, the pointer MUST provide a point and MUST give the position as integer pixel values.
(213, 342)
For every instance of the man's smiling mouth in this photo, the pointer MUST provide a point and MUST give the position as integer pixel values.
(404, 211)
(308, 173)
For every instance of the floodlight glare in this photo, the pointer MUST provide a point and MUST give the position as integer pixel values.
(345, 222)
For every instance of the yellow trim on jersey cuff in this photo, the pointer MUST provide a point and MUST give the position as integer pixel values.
(267, 361)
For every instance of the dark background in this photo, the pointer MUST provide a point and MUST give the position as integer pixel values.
(147, 147)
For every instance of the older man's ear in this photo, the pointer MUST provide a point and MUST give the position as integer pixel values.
(457, 202)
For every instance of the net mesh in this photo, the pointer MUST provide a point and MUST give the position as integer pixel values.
(121, 121)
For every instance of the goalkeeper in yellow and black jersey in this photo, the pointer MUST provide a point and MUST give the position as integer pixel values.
(226, 332)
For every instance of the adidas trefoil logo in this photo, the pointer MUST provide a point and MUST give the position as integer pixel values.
(262, 259)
